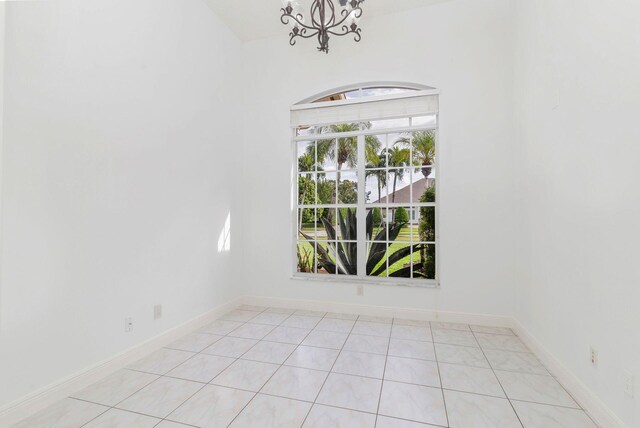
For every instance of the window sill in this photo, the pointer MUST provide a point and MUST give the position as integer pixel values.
(388, 282)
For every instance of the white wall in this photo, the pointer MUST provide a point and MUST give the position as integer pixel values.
(2, 37)
(119, 123)
(464, 49)
(578, 97)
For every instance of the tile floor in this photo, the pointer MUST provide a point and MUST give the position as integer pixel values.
(268, 367)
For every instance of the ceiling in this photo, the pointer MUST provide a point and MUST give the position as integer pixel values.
(257, 19)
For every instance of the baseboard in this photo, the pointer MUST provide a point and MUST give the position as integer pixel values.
(598, 410)
(44, 397)
(382, 311)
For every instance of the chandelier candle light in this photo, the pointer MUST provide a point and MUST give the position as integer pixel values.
(325, 21)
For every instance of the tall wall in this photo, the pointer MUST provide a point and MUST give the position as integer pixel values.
(120, 122)
(578, 163)
(464, 48)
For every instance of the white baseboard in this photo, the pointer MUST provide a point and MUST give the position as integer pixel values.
(46, 396)
(382, 311)
(598, 410)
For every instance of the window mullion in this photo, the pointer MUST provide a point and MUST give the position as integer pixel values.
(361, 212)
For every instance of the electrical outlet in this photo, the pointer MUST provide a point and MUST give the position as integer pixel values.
(128, 324)
(157, 312)
(360, 290)
(594, 357)
(628, 383)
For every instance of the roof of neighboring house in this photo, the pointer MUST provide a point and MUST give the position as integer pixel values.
(403, 195)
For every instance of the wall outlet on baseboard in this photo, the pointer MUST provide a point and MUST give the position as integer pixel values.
(157, 312)
(628, 384)
(128, 324)
(594, 357)
(360, 290)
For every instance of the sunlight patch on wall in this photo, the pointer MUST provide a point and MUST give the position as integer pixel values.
(224, 241)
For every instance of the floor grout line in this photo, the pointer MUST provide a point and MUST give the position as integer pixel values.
(203, 386)
(311, 330)
(499, 383)
(276, 371)
(329, 372)
(435, 352)
(384, 372)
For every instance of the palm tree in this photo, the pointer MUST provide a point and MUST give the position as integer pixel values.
(424, 149)
(346, 151)
(377, 160)
(399, 158)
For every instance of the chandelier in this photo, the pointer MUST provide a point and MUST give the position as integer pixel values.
(325, 21)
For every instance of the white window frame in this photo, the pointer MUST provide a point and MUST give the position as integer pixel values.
(362, 206)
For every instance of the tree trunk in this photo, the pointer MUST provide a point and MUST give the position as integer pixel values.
(334, 198)
(304, 196)
(393, 197)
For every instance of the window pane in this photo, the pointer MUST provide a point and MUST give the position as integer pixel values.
(347, 155)
(398, 141)
(399, 227)
(347, 224)
(347, 258)
(424, 260)
(377, 224)
(348, 188)
(306, 130)
(376, 151)
(414, 221)
(306, 156)
(423, 149)
(305, 256)
(377, 259)
(399, 186)
(372, 92)
(326, 154)
(427, 224)
(309, 225)
(423, 189)
(325, 260)
(326, 188)
(307, 188)
(375, 154)
(376, 186)
(328, 223)
(399, 259)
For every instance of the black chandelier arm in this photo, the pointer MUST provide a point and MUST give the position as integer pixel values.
(357, 11)
(303, 34)
(297, 18)
(346, 30)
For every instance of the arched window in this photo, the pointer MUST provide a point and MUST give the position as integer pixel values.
(365, 184)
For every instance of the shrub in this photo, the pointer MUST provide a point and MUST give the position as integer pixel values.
(377, 216)
(401, 215)
(427, 232)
